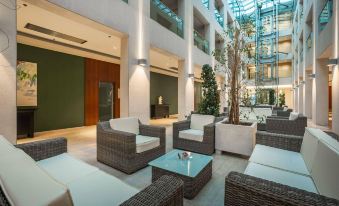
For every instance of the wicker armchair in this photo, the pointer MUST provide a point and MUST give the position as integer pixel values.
(118, 149)
(242, 189)
(286, 126)
(166, 191)
(205, 147)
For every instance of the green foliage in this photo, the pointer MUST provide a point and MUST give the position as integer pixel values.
(246, 99)
(210, 101)
(281, 99)
(271, 97)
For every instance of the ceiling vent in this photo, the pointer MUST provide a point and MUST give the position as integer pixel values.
(54, 33)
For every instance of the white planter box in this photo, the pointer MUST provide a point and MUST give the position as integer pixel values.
(238, 139)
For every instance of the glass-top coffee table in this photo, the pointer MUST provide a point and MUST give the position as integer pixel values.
(195, 171)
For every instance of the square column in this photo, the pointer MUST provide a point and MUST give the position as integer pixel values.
(320, 93)
(301, 98)
(335, 80)
(186, 67)
(134, 78)
(308, 98)
(8, 58)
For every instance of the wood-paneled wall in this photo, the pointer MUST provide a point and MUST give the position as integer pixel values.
(96, 71)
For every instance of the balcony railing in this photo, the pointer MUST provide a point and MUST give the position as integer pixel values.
(219, 18)
(201, 42)
(166, 17)
(206, 3)
(309, 41)
(325, 14)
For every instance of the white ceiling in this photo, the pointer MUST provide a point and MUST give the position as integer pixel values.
(97, 40)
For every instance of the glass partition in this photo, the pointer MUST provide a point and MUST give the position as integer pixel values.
(325, 14)
(309, 40)
(106, 101)
(200, 42)
(166, 17)
(206, 3)
(219, 18)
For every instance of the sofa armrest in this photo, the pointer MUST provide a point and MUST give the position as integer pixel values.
(283, 113)
(114, 139)
(153, 131)
(241, 189)
(209, 133)
(166, 191)
(179, 126)
(44, 149)
(281, 141)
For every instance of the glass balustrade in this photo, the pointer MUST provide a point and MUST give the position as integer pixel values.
(325, 14)
(166, 17)
(206, 3)
(201, 42)
(219, 18)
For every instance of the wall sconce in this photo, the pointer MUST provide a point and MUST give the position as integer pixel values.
(142, 62)
(191, 76)
(332, 62)
(311, 76)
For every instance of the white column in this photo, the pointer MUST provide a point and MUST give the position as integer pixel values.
(186, 67)
(8, 59)
(138, 77)
(301, 98)
(335, 81)
(296, 102)
(320, 93)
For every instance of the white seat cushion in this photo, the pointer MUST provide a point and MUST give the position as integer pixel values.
(280, 159)
(5, 146)
(66, 168)
(128, 124)
(281, 176)
(325, 170)
(26, 184)
(192, 134)
(198, 121)
(145, 143)
(99, 188)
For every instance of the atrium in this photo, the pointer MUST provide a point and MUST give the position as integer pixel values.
(169, 102)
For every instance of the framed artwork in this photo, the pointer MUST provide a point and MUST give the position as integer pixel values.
(27, 84)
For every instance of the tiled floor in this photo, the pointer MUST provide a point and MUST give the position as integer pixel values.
(82, 144)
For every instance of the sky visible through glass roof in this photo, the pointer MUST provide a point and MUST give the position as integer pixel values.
(247, 7)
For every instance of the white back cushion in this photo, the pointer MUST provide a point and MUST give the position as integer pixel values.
(198, 121)
(127, 124)
(5, 146)
(309, 148)
(25, 184)
(325, 170)
(293, 116)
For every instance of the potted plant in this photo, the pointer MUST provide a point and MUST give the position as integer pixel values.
(233, 135)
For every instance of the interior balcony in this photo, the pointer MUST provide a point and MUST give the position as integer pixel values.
(165, 12)
(201, 32)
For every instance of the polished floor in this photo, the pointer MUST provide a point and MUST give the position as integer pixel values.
(82, 144)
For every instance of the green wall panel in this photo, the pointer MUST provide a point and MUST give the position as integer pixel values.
(167, 87)
(60, 88)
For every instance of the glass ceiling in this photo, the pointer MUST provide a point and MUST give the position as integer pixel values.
(247, 7)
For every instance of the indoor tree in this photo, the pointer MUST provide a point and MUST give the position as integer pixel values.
(233, 60)
(210, 102)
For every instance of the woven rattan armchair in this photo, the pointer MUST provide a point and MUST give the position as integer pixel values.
(242, 189)
(205, 147)
(166, 191)
(286, 126)
(118, 149)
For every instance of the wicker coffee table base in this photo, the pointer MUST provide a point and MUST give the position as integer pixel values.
(192, 185)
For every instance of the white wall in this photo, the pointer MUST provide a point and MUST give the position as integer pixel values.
(335, 81)
(8, 71)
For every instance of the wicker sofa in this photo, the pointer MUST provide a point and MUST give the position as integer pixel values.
(42, 173)
(119, 147)
(200, 137)
(277, 176)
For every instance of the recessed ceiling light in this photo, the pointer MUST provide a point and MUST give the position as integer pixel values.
(25, 5)
(109, 36)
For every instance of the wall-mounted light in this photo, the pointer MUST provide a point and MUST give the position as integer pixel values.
(332, 62)
(311, 76)
(142, 62)
(191, 76)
